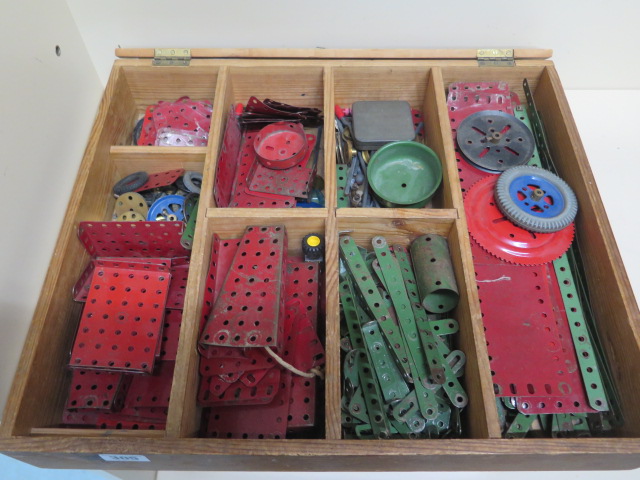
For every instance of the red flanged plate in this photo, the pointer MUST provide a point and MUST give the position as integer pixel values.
(252, 359)
(122, 320)
(170, 335)
(161, 179)
(228, 161)
(491, 229)
(259, 421)
(292, 181)
(210, 388)
(97, 390)
(239, 394)
(302, 405)
(248, 310)
(301, 285)
(132, 239)
(149, 414)
(178, 286)
(241, 197)
(152, 390)
(118, 422)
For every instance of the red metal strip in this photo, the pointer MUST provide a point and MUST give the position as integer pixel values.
(132, 239)
(248, 310)
(302, 405)
(122, 320)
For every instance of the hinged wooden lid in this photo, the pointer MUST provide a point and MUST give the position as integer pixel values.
(333, 53)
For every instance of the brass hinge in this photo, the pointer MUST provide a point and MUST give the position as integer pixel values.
(495, 57)
(172, 57)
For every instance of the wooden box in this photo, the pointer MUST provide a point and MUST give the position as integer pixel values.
(315, 78)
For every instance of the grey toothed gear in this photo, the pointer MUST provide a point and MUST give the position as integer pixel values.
(535, 199)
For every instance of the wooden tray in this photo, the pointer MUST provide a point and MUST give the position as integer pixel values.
(315, 78)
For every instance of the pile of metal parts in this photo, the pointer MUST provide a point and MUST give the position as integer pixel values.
(359, 132)
(549, 372)
(164, 196)
(183, 123)
(401, 370)
(259, 346)
(124, 352)
(267, 159)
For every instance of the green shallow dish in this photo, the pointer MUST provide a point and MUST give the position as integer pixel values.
(404, 174)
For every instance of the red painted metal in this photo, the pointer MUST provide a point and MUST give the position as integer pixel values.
(132, 239)
(122, 320)
(239, 394)
(495, 233)
(170, 335)
(241, 197)
(259, 421)
(281, 145)
(228, 161)
(148, 132)
(302, 404)
(253, 377)
(210, 388)
(294, 181)
(178, 286)
(161, 179)
(97, 390)
(248, 310)
(251, 359)
(152, 390)
(301, 285)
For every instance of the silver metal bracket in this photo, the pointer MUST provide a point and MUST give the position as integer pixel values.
(495, 57)
(171, 57)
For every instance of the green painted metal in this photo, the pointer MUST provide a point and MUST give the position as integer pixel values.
(587, 360)
(447, 326)
(404, 174)
(368, 290)
(392, 275)
(186, 240)
(520, 426)
(357, 406)
(391, 382)
(370, 388)
(341, 179)
(434, 273)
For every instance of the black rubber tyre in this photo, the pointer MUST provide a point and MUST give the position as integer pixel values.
(130, 183)
(520, 213)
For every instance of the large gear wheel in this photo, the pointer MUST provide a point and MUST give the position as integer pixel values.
(536, 199)
(494, 141)
(503, 239)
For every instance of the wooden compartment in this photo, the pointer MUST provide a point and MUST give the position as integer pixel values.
(317, 78)
(417, 85)
(401, 227)
(301, 85)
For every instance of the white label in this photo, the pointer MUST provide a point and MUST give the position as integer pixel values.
(108, 457)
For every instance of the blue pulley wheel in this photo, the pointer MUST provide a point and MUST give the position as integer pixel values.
(169, 205)
(535, 199)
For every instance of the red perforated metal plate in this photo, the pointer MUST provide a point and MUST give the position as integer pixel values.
(97, 390)
(122, 320)
(117, 422)
(250, 379)
(145, 413)
(292, 181)
(161, 179)
(248, 310)
(132, 239)
(178, 286)
(252, 359)
(81, 288)
(241, 197)
(210, 388)
(228, 161)
(148, 132)
(170, 335)
(302, 405)
(152, 390)
(240, 394)
(301, 285)
(259, 421)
